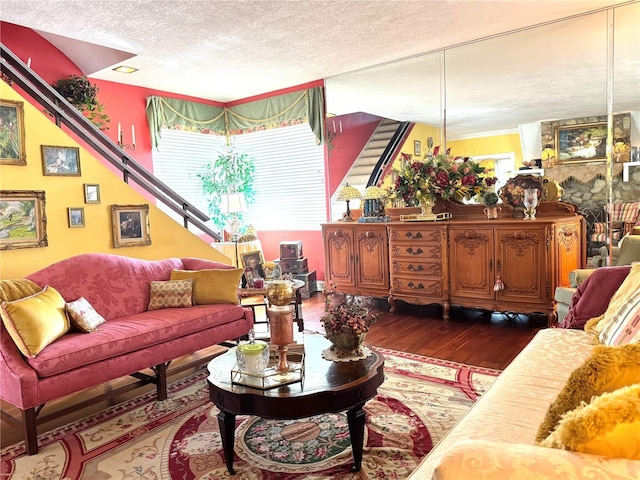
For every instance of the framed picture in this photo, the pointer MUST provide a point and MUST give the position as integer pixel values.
(253, 260)
(76, 217)
(12, 147)
(23, 221)
(130, 225)
(581, 143)
(91, 193)
(417, 148)
(61, 161)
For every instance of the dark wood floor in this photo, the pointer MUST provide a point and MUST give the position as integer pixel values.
(490, 341)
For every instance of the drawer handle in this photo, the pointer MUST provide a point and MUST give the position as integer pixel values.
(411, 285)
(410, 235)
(417, 252)
(413, 269)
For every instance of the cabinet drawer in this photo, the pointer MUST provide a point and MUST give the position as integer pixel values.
(416, 267)
(417, 251)
(415, 234)
(414, 285)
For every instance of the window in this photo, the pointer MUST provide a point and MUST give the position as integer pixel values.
(289, 181)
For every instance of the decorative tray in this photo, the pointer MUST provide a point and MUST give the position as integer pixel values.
(271, 377)
(434, 217)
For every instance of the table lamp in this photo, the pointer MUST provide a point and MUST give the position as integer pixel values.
(233, 203)
(348, 193)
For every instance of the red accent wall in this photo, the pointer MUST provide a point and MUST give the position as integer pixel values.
(357, 128)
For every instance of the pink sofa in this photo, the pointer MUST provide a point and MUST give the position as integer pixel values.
(132, 339)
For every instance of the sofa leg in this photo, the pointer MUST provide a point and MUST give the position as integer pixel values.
(161, 381)
(30, 430)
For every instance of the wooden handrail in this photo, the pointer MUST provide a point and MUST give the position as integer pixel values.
(65, 113)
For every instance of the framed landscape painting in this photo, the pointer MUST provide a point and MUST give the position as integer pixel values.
(23, 220)
(12, 147)
(130, 225)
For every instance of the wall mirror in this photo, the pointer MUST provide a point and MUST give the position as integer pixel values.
(515, 82)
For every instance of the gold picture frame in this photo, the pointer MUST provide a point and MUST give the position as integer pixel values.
(23, 220)
(12, 146)
(76, 217)
(60, 161)
(91, 193)
(130, 225)
(581, 143)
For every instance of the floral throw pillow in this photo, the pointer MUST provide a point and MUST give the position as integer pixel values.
(83, 316)
(171, 294)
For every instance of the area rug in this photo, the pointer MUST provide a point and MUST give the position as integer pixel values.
(418, 403)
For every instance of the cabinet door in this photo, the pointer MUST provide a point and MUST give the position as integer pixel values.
(568, 251)
(339, 256)
(521, 261)
(471, 262)
(372, 270)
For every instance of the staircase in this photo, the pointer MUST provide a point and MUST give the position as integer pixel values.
(371, 162)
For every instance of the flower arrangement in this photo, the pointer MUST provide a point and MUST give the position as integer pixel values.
(351, 316)
(443, 176)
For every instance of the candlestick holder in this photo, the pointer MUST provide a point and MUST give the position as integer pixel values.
(281, 332)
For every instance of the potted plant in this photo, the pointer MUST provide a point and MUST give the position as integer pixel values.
(347, 323)
(82, 94)
(490, 199)
(229, 172)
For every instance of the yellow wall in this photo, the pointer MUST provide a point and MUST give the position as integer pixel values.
(168, 238)
(473, 147)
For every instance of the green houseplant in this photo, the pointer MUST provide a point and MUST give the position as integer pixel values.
(82, 94)
(229, 172)
(490, 199)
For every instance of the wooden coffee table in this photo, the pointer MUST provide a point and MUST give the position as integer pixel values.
(327, 387)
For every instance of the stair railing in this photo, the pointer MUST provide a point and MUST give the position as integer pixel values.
(66, 114)
(389, 153)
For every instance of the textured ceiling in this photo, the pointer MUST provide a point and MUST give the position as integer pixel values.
(230, 50)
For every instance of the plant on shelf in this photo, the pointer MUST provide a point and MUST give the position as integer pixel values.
(229, 172)
(83, 95)
(440, 176)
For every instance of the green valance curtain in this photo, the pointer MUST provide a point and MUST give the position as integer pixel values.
(305, 106)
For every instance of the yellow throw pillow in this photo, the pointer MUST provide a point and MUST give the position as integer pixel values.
(212, 285)
(36, 321)
(171, 294)
(609, 425)
(11, 290)
(608, 369)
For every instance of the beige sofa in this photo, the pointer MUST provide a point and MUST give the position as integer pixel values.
(496, 439)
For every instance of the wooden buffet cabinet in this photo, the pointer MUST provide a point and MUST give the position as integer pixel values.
(502, 265)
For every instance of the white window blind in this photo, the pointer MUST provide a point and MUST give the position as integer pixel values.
(289, 179)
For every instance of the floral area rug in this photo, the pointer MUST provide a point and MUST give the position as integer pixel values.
(142, 439)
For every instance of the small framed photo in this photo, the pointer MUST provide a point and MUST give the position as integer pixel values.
(91, 193)
(417, 148)
(130, 225)
(60, 161)
(12, 146)
(76, 217)
(253, 260)
(23, 221)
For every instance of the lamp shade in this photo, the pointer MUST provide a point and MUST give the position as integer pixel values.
(349, 193)
(373, 192)
(233, 203)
